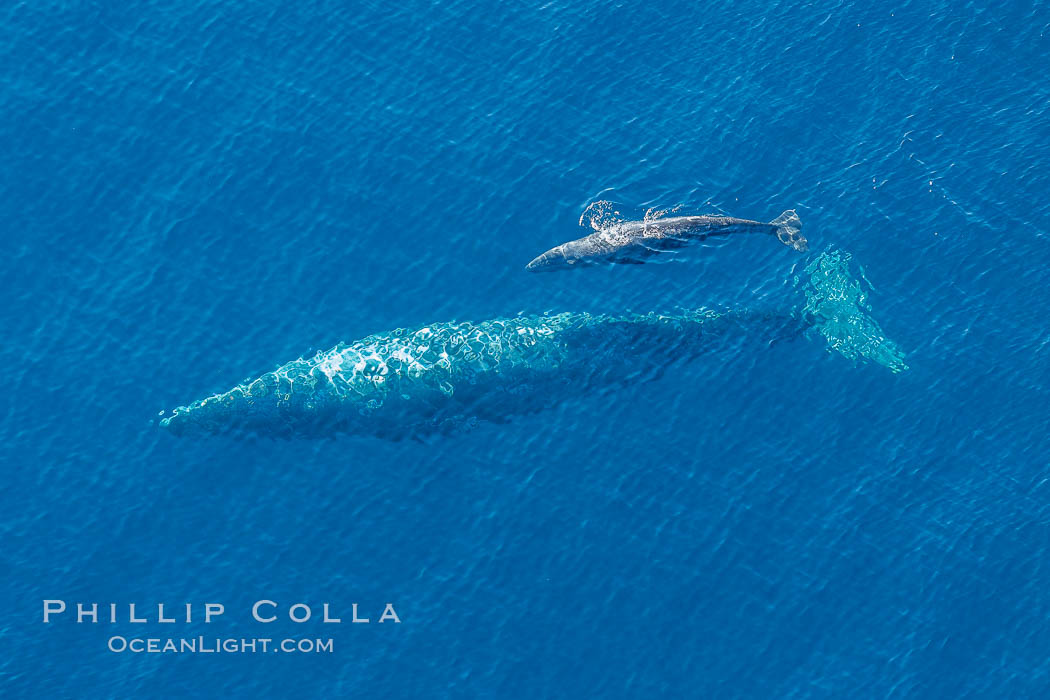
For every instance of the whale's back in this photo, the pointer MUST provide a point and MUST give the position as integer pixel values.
(412, 382)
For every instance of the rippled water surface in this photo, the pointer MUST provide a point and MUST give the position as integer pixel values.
(195, 193)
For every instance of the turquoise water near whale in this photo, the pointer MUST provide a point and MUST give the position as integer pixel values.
(195, 193)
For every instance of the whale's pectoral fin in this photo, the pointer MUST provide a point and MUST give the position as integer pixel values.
(666, 244)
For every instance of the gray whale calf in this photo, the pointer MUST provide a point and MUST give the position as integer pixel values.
(632, 242)
(409, 383)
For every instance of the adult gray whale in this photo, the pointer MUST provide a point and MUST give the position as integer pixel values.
(425, 380)
(408, 383)
(632, 242)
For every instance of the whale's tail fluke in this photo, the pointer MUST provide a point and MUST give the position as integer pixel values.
(837, 307)
(789, 228)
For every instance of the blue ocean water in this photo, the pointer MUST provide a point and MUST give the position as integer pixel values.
(193, 193)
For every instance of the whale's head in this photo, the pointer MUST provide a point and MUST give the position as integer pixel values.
(559, 258)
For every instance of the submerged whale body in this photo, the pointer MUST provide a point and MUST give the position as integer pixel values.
(634, 242)
(440, 376)
(434, 378)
